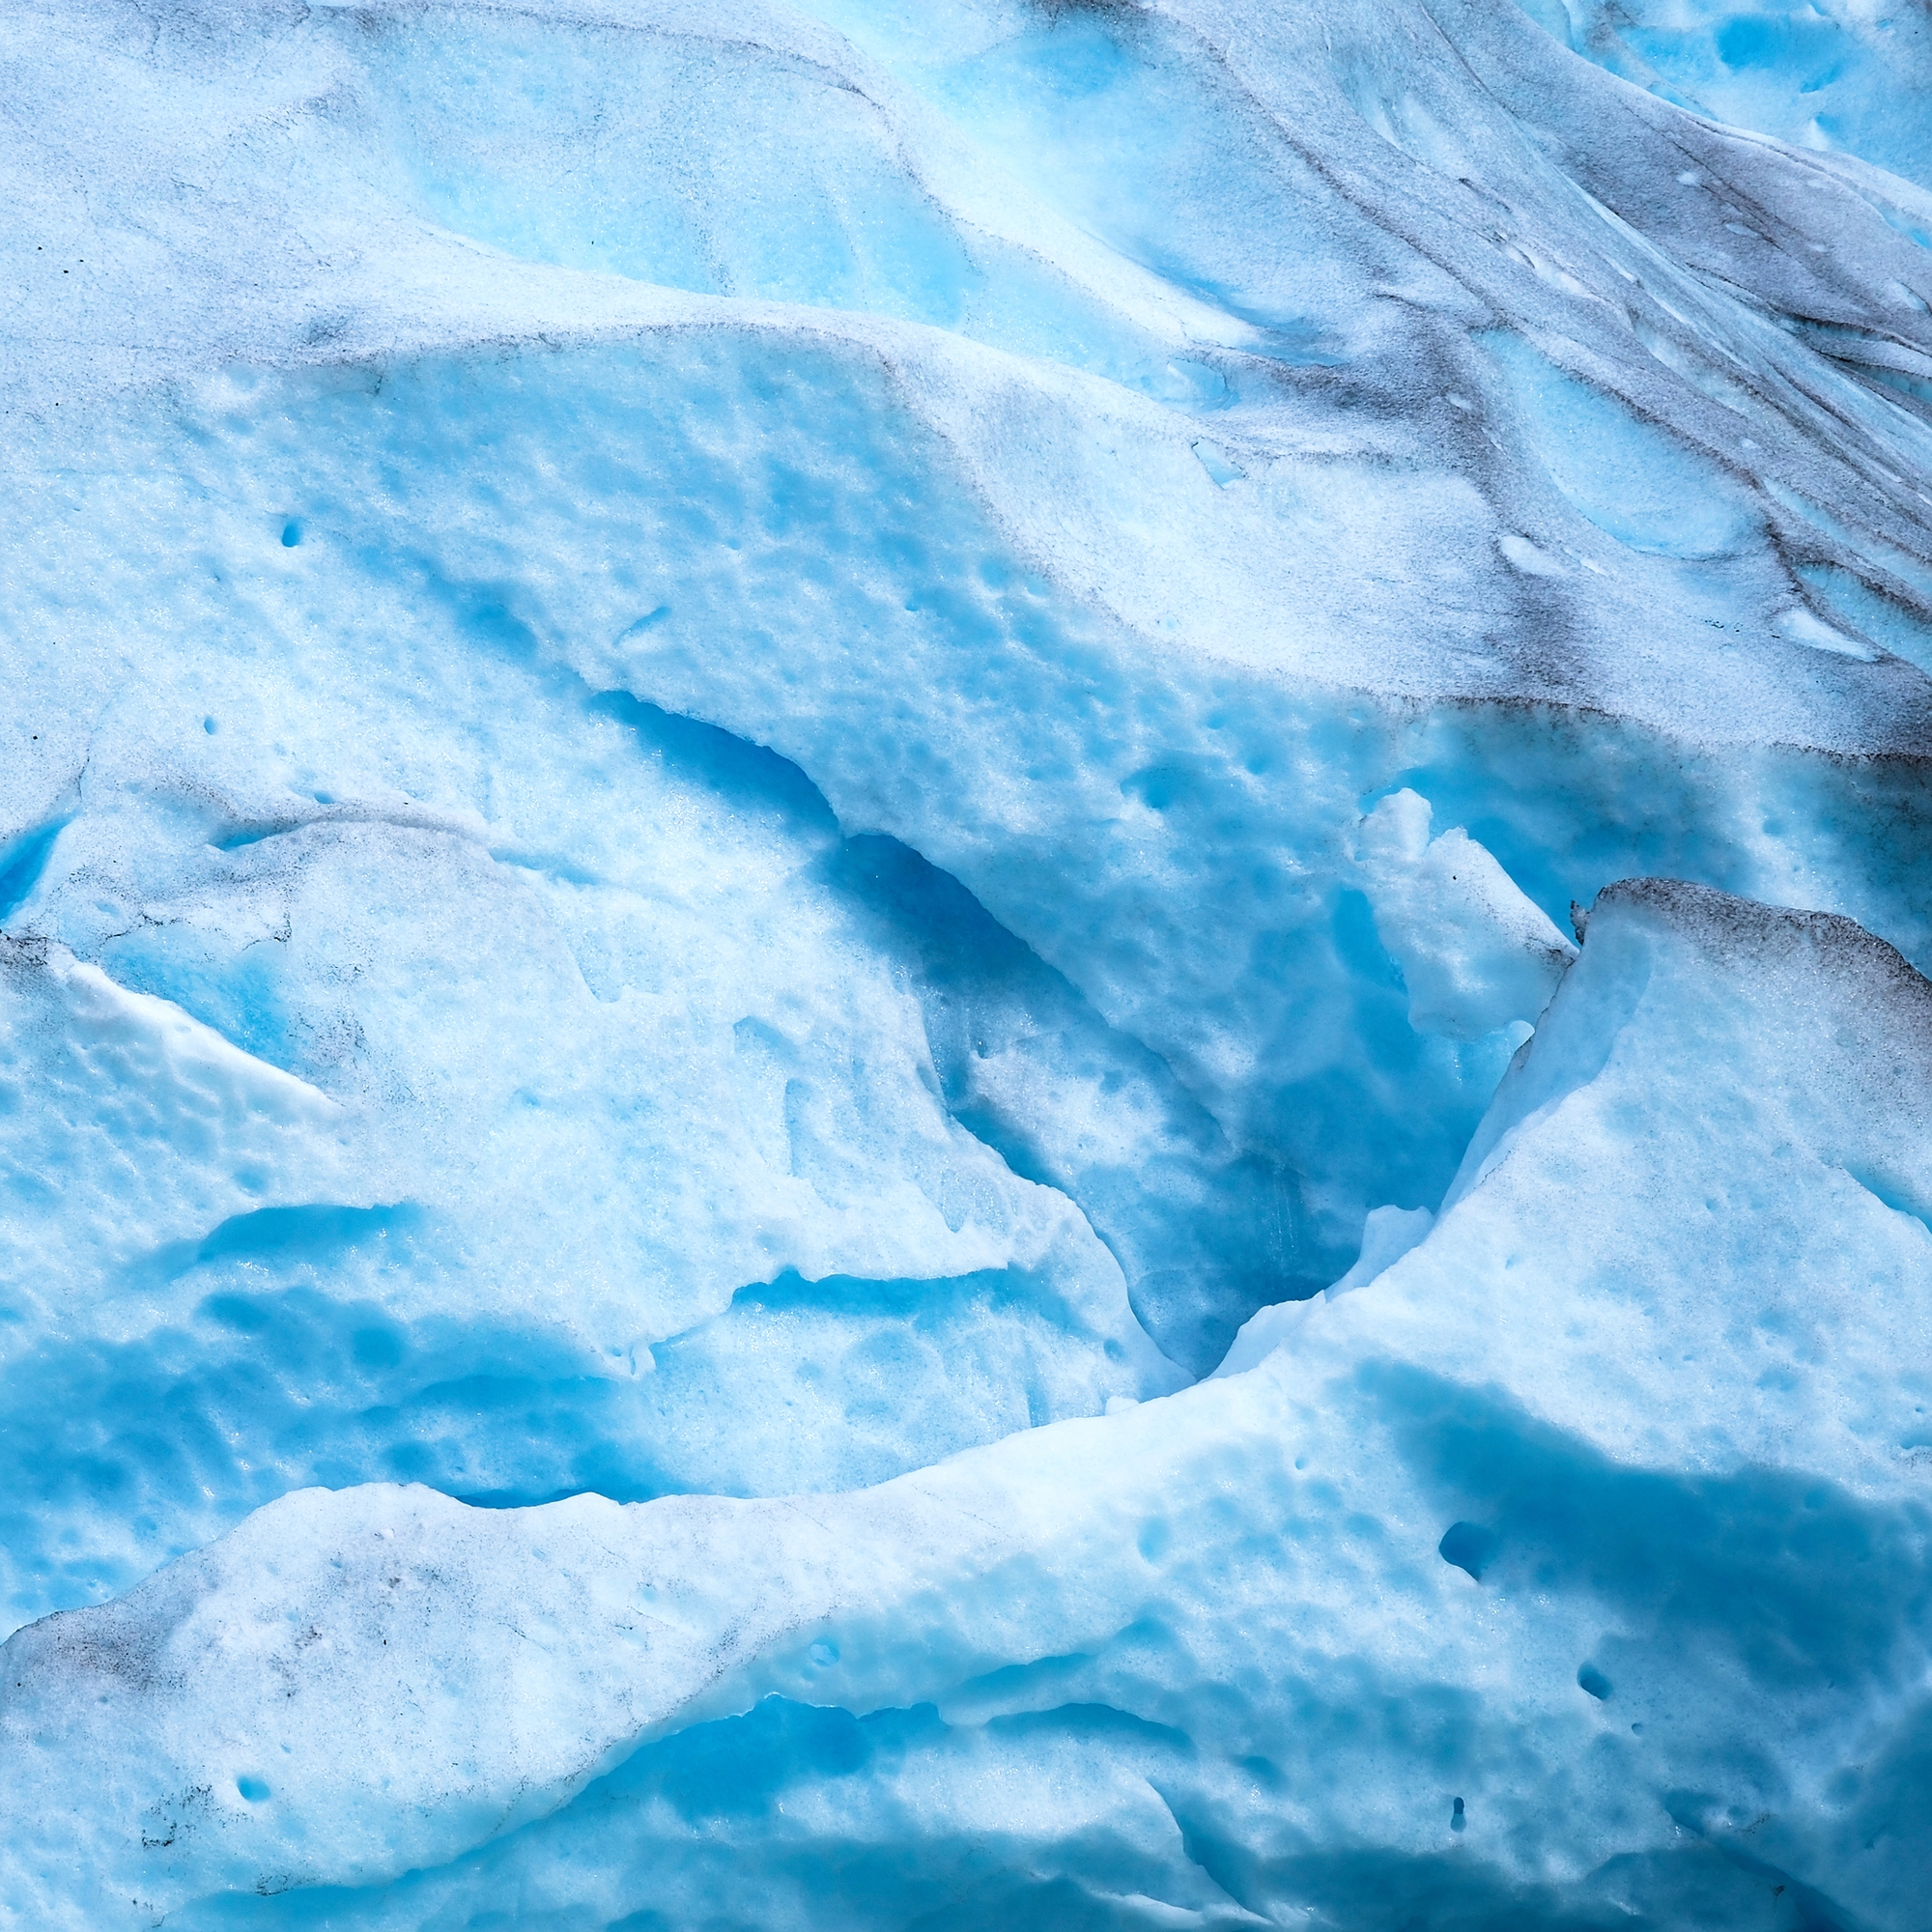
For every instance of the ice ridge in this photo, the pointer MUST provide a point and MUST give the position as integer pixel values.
(960, 966)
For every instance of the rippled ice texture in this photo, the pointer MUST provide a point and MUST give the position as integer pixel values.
(959, 965)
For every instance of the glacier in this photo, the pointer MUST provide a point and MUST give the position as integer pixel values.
(961, 965)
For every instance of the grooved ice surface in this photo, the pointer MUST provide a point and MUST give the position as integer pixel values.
(958, 966)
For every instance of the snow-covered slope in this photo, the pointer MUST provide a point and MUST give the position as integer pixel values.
(756, 752)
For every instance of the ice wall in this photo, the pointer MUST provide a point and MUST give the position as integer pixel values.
(958, 966)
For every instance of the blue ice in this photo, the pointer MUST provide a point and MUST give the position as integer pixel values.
(1835, 77)
(962, 966)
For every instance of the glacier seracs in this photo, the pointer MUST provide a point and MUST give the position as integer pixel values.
(959, 965)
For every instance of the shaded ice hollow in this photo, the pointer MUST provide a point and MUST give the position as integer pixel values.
(959, 966)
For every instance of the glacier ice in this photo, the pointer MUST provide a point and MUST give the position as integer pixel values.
(1837, 77)
(961, 964)
(1434, 1546)
(1475, 954)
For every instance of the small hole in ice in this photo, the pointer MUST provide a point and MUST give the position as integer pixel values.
(209, 725)
(1457, 1821)
(1593, 1680)
(292, 535)
(824, 1653)
(1469, 1547)
(252, 1789)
